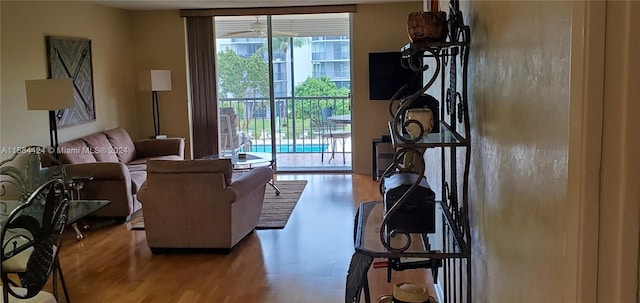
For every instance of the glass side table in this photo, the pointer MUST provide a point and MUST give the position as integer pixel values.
(75, 184)
(426, 250)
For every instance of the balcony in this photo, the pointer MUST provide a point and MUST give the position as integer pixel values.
(298, 132)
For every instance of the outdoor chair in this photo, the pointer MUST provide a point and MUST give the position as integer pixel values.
(331, 134)
(231, 137)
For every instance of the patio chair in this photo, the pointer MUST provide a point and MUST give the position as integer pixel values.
(331, 134)
(231, 137)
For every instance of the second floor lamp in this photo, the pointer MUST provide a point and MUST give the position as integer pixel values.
(155, 81)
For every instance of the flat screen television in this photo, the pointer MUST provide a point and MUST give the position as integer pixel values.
(386, 76)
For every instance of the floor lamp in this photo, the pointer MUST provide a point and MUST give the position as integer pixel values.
(51, 95)
(155, 81)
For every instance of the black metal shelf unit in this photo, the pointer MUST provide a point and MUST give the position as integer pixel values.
(449, 247)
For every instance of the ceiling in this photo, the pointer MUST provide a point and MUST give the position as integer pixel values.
(303, 25)
(190, 4)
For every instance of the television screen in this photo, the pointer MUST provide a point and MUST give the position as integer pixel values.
(386, 76)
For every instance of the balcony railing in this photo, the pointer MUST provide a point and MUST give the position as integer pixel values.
(298, 121)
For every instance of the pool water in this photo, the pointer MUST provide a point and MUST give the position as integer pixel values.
(289, 148)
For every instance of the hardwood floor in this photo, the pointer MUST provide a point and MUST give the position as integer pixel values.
(306, 261)
(292, 162)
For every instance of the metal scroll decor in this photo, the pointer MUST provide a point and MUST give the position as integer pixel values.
(24, 172)
(445, 54)
(71, 58)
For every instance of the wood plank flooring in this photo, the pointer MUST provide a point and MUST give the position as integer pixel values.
(306, 261)
(313, 161)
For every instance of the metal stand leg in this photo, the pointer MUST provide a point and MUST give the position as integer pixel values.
(274, 187)
(344, 161)
(58, 273)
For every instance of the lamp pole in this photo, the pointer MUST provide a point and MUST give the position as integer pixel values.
(156, 112)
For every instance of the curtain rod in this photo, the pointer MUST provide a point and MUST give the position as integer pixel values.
(283, 10)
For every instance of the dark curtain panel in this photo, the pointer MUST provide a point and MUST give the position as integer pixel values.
(201, 43)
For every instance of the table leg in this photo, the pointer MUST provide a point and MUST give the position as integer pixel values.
(272, 183)
(64, 285)
(79, 235)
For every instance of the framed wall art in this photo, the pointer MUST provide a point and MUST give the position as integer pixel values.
(71, 58)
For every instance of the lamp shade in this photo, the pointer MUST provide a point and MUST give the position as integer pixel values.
(154, 80)
(49, 94)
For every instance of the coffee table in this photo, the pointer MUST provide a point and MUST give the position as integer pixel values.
(252, 160)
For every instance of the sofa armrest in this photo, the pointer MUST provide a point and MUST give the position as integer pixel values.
(159, 147)
(98, 170)
(249, 181)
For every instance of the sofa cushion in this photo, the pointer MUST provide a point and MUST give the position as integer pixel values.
(137, 179)
(144, 160)
(120, 140)
(141, 164)
(75, 152)
(101, 148)
(193, 166)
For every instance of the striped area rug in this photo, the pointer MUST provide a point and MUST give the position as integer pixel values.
(276, 210)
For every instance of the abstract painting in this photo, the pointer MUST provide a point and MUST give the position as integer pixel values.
(71, 58)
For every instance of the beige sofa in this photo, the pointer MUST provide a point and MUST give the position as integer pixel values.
(117, 165)
(200, 204)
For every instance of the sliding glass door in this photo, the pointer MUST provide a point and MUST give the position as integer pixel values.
(293, 94)
(244, 87)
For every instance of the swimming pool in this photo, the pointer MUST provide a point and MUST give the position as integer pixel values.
(289, 148)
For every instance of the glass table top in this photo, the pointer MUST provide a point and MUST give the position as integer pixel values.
(441, 244)
(445, 137)
(252, 158)
(78, 209)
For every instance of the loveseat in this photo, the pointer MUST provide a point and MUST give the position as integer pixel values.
(201, 204)
(117, 166)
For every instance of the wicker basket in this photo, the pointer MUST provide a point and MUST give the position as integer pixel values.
(427, 26)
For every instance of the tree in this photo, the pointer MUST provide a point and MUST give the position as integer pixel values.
(232, 72)
(242, 78)
(281, 44)
(320, 87)
(257, 72)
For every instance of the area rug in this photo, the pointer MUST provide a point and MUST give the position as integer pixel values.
(137, 220)
(276, 210)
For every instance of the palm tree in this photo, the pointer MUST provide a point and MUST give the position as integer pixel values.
(282, 43)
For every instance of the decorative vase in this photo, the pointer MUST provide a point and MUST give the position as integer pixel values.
(427, 26)
(422, 115)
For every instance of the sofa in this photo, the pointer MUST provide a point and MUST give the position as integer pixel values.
(117, 166)
(200, 204)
